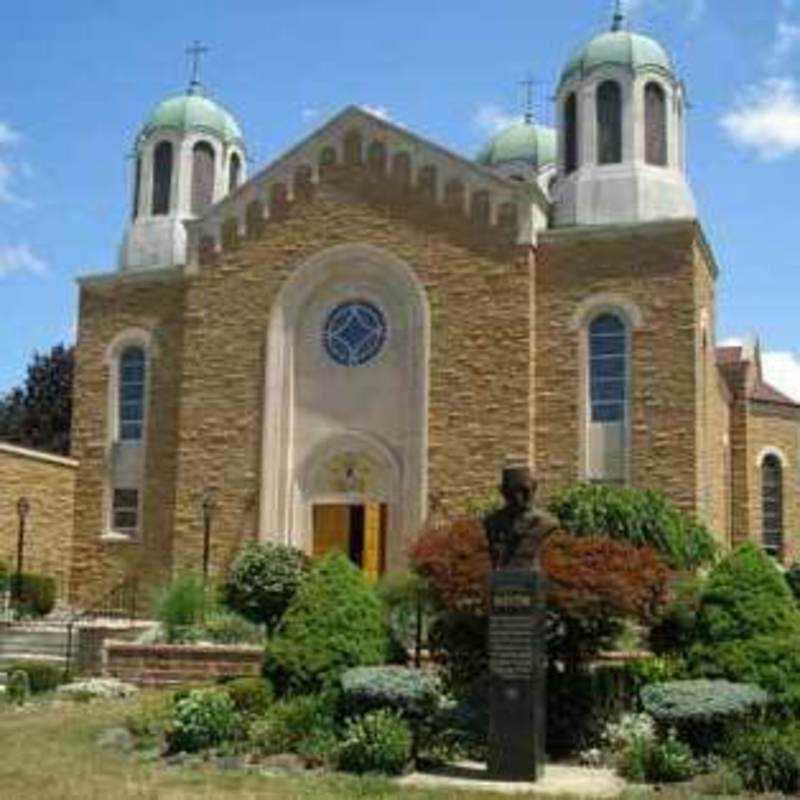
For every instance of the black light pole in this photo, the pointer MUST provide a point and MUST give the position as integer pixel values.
(209, 507)
(23, 507)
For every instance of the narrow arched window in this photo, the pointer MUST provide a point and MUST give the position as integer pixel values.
(234, 173)
(137, 186)
(655, 124)
(162, 178)
(376, 158)
(401, 170)
(609, 123)
(130, 403)
(454, 196)
(508, 220)
(254, 219)
(608, 398)
(353, 149)
(772, 504)
(202, 177)
(570, 134)
(304, 182)
(427, 181)
(481, 208)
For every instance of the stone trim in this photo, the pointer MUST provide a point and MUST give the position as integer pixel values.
(38, 455)
(130, 276)
(771, 450)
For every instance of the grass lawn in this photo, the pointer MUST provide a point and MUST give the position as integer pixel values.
(49, 751)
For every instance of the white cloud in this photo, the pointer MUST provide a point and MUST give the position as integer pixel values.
(20, 258)
(8, 137)
(695, 9)
(766, 119)
(787, 40)
(7, 134)
(782, 370)
(309, 114)
(493, 119)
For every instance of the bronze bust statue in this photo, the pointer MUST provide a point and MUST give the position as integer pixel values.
(517, 531)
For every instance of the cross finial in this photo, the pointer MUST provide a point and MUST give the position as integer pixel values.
(619, 16)
(528, 85)
(195, 52)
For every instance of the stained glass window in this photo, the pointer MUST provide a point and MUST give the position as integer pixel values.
(131, 394)
(355, 332)
(772, 504)
(608, 368)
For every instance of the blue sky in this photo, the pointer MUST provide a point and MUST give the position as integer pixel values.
(78, 79)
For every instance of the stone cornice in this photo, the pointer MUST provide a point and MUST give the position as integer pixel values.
(37, 455)
(131, 276)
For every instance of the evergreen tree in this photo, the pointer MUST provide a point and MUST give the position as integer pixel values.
(39, 414)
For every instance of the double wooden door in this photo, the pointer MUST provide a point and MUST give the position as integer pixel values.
(359, 531)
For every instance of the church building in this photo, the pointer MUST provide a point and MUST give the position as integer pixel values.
(366, 329)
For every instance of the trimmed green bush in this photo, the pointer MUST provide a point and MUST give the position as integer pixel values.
(636, 516)
(377, 742)
(34, 595)
(263, 580)
(179, 606)
(334, 622)
(414, 693)
(746, 596)
(149, 717)
(304, 724)
(702, 711)
(203, 718)
(674, 630)
(42, 675)
(227, 627)
(768, 757)
(251, 697)
(793, 579)
(18, 688)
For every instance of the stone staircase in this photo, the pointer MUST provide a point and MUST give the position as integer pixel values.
(40, 641)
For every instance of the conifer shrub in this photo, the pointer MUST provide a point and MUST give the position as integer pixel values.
(703, 712)
(228, 627)
(335, 621)
(767, 757)
(263, 580)
(179, 606)
(18, 688)
(640, 517)
(379, 742)
(251, 697)
(33, 594)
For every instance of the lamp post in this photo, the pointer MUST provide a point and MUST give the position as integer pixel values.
(23, 508)
(209, 507)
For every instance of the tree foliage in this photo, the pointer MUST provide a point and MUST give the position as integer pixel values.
(635, 516)
(39, 413)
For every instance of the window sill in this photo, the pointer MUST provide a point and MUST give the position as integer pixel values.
(124, 538)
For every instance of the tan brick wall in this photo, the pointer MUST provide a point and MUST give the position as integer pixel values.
(49, 486)
(108, 308)
(655, 267)
(773, 425)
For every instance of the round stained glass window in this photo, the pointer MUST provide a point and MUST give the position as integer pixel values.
(355, 332)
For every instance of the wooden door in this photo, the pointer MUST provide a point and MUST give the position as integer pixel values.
(373, 542)
(331, 529)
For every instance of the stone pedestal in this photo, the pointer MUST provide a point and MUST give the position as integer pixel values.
(517, 677)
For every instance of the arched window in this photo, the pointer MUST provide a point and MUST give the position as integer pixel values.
(376, 158)
(481, 208)
(162, 178)
(401, 170)
(352, 149)
(254, 219)
(655, 124)
(304, 182)
(278, 200)
(608, 398)
(609, 123)
(454, 196)
(571, 134)
(508, 220)
(234, 173)
(426, 182)
(137, 185)
(202, 177)
(772, 504)
(130, 402)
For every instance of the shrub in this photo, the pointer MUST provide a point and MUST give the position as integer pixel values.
(641, 757)
(722, 781)
(409, 607)
(151, 714)
(642, 518)
(202, 719)
(377, 742)
(793, 579)
(180, 605)
(673, 633)
(746, 596)
(251, 697)
(304, 724)
(4, 577)
(413, 693)
(18, 688)
(458, 642)
(334, 622)
(768, 757)
(42, 675)
(703, 711)
(669, 761)
(34, 595)
(263, 580)
(226, 627)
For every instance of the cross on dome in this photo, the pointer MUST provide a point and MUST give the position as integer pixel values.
(196, 51)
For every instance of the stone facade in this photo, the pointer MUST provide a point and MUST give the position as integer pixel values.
(48, 483)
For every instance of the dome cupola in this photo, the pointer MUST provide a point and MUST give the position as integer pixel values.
(621, 133)
(521, 143)
(189, 154)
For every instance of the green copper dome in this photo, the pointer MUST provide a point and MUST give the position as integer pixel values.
(619, 48)
(522, 141)
(194, 111)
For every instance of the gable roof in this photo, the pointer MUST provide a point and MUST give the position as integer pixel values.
(763, 392)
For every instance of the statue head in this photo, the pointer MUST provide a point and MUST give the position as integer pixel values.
(518, 486)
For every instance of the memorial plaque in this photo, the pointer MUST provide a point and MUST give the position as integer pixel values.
(516, 633)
